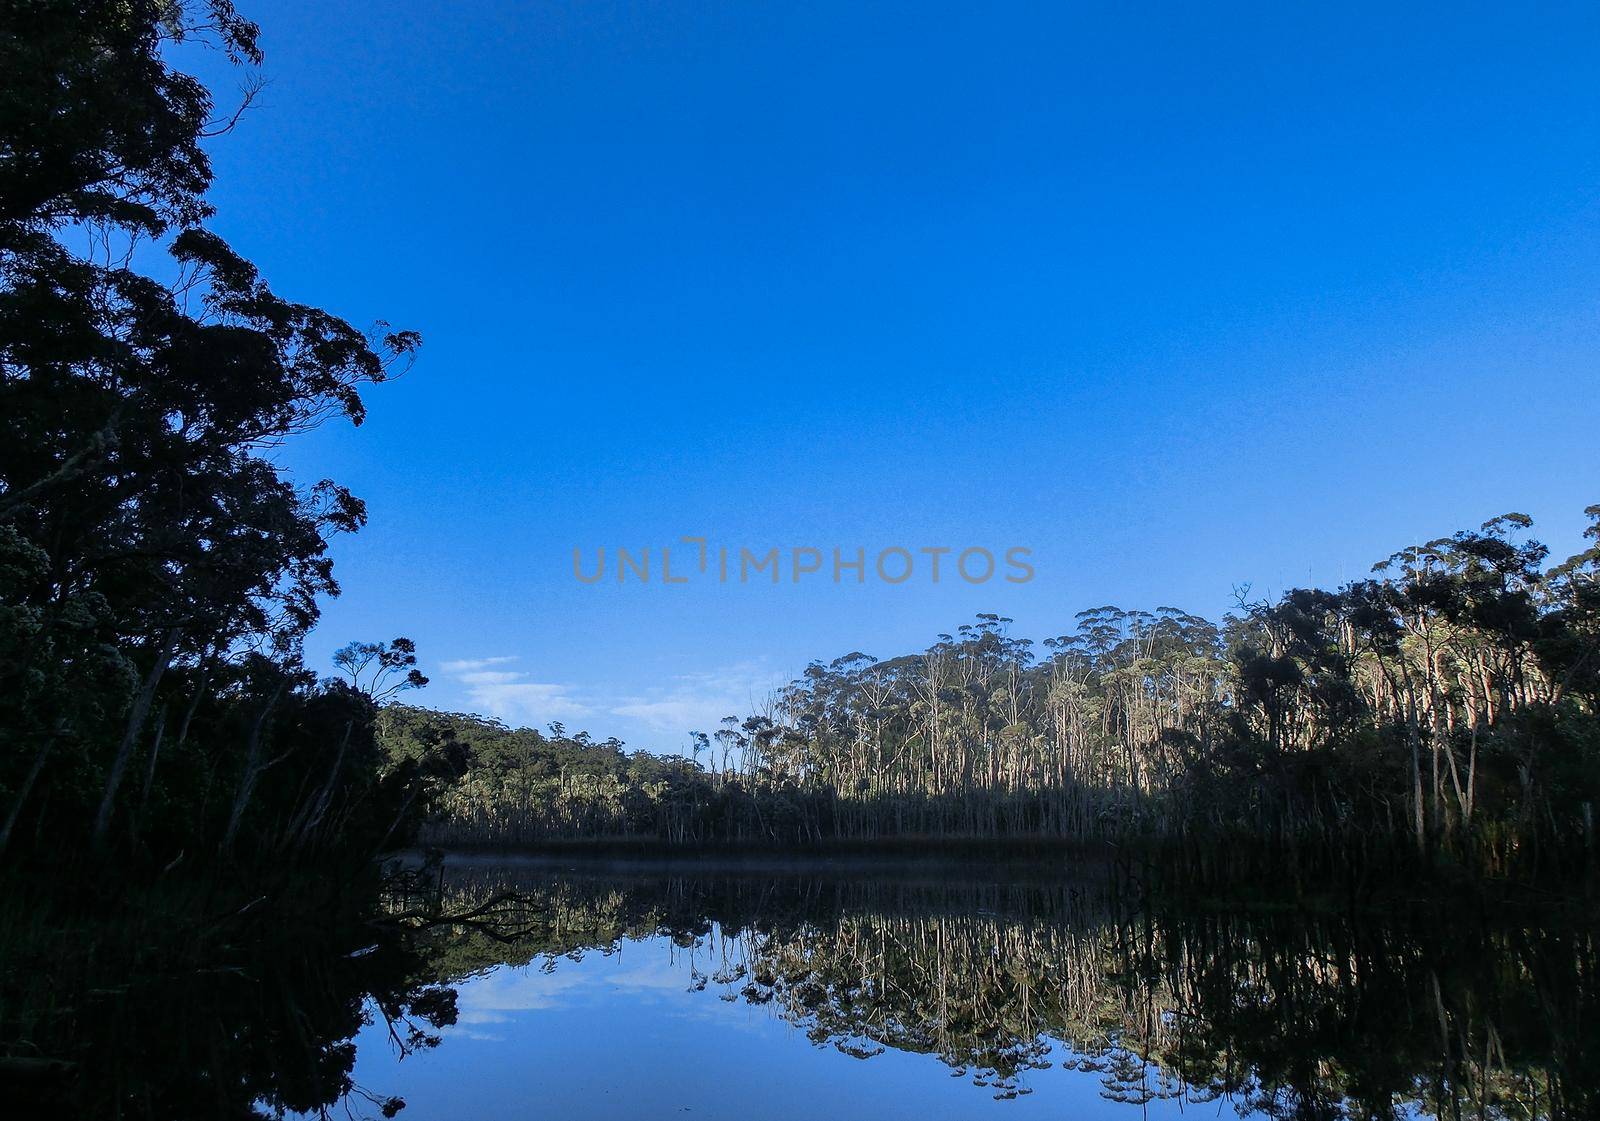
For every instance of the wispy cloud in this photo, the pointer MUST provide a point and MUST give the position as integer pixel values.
(498, 996)
(467, 665)
(509, 694)
(689, 702)
(490, 677)
(697, 702)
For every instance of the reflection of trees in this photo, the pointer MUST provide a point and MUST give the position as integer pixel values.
(1298, 1016)
(185, 1014)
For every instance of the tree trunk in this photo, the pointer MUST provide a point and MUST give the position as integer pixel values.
(202, 681)
(155, 753)
(130, 734)
(317, 807)
(23, 792)
(252, 768)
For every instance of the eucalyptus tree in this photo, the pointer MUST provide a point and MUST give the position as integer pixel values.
(1447, 703)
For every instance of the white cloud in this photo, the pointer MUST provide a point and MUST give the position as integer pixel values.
(508, 694)
(651, 967)
(697, 702)
(489, 677)
(490, 998)
(681, 714)
(528, 702)
(690, 702)
(466, 665)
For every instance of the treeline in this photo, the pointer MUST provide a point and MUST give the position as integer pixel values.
(158, 570)
(1445, 705)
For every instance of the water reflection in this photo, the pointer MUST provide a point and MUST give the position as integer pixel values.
(191, 1013)
(926, 991)
(1443, 1010)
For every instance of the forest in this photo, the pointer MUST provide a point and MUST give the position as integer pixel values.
(1444, 706)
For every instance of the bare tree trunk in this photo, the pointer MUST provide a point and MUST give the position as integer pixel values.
(202, 680)
(1416, 789)
(252, 768)
(1472, 773)
(136, 716)
(23, 792)
(317, 807)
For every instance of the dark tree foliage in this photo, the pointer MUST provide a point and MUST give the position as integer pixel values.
(158, 572)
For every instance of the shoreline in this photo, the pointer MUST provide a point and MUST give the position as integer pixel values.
(911, 850)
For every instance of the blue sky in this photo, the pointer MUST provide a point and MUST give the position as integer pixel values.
(1178, 297)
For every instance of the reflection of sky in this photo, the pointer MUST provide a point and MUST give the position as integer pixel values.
(623, 1036)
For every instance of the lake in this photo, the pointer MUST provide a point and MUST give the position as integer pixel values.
(951, 991)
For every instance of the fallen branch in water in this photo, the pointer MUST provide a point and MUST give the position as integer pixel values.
(418, 919)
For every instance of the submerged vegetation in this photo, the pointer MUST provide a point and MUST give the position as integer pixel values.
(1450, 704)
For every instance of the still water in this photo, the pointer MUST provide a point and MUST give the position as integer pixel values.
(941, 992)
